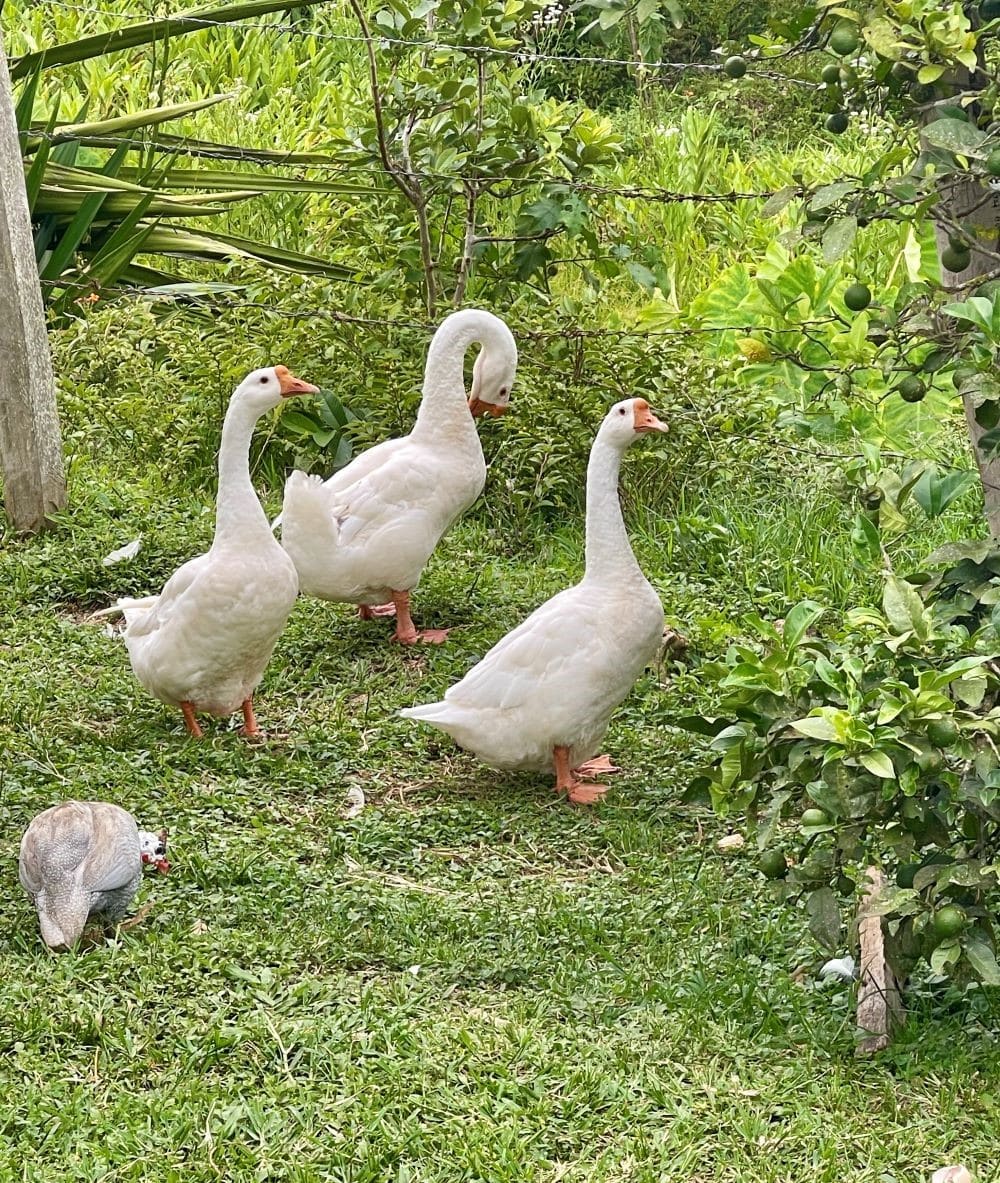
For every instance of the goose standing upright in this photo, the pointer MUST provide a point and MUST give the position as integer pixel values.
(81, 859)
(365, 535)
(543, 696)
(203, 643)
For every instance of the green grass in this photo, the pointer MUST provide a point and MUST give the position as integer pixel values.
(470, 980)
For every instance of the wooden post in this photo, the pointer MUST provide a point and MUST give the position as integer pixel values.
(31, 461)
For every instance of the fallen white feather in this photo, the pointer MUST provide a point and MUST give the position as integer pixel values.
(128, 551)
(957, 1174)
(355, 802)
(839, 967)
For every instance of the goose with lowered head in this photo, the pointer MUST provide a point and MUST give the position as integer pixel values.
(364, 536)
(203, 643)
(543, 696)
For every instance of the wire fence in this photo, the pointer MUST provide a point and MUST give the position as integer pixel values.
(520, 55)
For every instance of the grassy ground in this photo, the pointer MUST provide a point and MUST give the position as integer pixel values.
(470, 980)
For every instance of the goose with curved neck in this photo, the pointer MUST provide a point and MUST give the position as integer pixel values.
(364, 536)
(204, 642)
(543, 696)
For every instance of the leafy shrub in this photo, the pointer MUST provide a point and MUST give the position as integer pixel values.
(874, 746)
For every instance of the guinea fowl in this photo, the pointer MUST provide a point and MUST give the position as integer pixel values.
(82, 859)
(542, 697)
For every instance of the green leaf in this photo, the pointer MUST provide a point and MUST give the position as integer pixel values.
(838, 237)
(777, 201)
(983, 960)
(824, 918)
(956, 135)
(136, 120)
(929, 73)
(878, 764)
(946, 954)
(131, 36)
(816, 727)
(645, 9)
(903, 608)
(798, 622)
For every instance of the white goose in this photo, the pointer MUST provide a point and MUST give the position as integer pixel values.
(81, 859)
(203, 643)
(364, 536)
(543, 696)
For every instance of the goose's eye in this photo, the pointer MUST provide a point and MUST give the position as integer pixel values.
(621, 410)
(263, 380)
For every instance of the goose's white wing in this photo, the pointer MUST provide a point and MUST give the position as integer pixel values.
(143, 623)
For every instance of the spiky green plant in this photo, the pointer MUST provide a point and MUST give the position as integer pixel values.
(104, 192)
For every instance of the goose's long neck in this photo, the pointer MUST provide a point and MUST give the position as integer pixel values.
(609, 556)
(444, 409)
(239, 514)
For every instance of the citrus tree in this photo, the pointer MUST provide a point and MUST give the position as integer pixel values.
(865, 749)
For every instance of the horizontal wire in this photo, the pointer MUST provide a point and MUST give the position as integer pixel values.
(386, 39)
(637, 193)
(220, 303)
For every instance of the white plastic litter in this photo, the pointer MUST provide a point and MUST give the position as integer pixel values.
(957, 1174)
(731, 842)
(839, 967)
(128, 551)
(355, 802)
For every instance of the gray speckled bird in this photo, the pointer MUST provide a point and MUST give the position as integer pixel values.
(84, 858)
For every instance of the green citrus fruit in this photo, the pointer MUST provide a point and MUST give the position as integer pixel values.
(857, 297)
(901, 71)
(831, 74)
(952, 260)
(993, 163)
(844, 39)
(989, 10)
(936, 360)
(735, 67)
(942, 732)
(963, 374)
(837, 122)
(911, 389)
(949, 921)
(773, 864)
(905, 873)
(921, 93)
(815, 817)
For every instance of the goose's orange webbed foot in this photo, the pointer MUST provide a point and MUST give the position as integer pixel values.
(599, 766)
(407, 632)
(249, 730)
(568, 782)
(190, 722)
(586, 794)
(371, 611)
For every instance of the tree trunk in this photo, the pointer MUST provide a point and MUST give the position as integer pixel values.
(880, 1001)
(30, 449)
(977, 208)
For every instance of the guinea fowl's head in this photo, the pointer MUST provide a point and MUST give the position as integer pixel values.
(267, 388)
(153, 849)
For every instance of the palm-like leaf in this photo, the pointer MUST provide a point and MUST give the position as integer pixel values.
(92, 221)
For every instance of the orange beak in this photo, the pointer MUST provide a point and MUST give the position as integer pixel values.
(290, 385)
(643, 418)
(479, 408)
